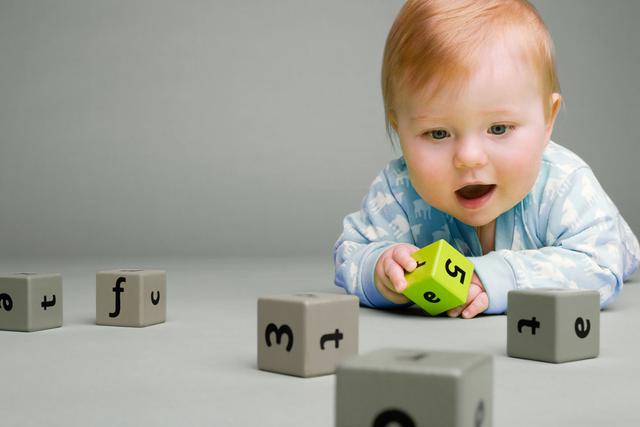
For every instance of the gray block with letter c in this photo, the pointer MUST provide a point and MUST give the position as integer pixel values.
(412, 388)
(553, 324)
(131, 297)
(306, 334)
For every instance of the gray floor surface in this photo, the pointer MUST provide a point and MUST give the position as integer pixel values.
(199, 368)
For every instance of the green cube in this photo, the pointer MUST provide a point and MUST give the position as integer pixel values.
(441, 280)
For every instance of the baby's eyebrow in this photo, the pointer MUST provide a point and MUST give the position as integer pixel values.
(499, 112)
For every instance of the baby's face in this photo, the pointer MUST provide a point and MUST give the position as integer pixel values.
(476, 153)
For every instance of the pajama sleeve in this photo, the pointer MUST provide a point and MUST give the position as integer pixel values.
(379, 224)
(586, 244)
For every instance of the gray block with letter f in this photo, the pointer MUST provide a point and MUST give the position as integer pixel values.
(30, 302)
(412, 388)
(131, 297)
(553, 324)
(306, 334)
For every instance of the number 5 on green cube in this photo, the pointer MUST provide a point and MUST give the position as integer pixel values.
(441, 280)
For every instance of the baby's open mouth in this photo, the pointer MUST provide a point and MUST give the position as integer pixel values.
(476, 191)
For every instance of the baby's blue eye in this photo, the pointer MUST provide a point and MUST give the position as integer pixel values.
(438, 134)
(498, 129)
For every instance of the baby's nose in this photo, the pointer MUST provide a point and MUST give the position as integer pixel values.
(469, 154)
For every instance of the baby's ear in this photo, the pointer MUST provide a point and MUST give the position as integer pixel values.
(556, 102)
(392, 118)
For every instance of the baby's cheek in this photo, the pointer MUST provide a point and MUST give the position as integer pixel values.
(428, 176)
(520, 172)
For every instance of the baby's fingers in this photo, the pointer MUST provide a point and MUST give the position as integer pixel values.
(395, 273)
(474, 291)
(477, 306)
(402, 256)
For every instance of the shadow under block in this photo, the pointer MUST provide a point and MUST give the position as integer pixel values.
(412, 388)
(30, 302)
(131, 297)
(306, 334)
(441, 280)
(553, 325)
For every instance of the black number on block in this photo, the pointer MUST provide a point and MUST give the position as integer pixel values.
(393, 417)
(456, 270)
(282, 330)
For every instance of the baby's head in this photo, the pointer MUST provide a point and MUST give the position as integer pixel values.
(471, 91)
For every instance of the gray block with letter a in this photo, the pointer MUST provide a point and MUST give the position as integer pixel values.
(30, 302)
(553, 324)
(411, 388)
(131, 297)
(306, 334)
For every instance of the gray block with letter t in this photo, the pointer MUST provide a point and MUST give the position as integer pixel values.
(131, 297)
(306, 334)
(412, 388)
(30, 302)
(553, 324)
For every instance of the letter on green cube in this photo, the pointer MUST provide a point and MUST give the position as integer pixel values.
(441, 280)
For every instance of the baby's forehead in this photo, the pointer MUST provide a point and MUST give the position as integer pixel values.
(489, 86)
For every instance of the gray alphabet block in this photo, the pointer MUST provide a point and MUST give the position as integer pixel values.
(306, 334)
(409, 388)
(30, 302)
(553, 325)
(131, 297)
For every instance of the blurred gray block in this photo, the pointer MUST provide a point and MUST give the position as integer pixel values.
(553, 324)
(30, 302)
(131, 297)
(415, 388)
(306, 334)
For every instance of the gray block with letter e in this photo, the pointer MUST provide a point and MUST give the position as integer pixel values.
(131, 297)
(553, 324)
(306, 334)
(410, 388)
(30, 302)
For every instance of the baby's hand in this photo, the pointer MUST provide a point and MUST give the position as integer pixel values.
(477, 301)
(390, 269)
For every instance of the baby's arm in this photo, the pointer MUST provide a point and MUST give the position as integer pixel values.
(380, 224)
(585, 244)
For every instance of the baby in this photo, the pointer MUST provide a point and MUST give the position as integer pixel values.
(471, 93)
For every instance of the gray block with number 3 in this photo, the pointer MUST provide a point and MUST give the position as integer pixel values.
(553, 324)
(411, 388)
(30, 302)
(131, 297)
(306, 334)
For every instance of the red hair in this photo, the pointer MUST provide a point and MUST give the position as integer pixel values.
(437, 42)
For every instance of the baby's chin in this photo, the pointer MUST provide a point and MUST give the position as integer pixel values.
(478, 218)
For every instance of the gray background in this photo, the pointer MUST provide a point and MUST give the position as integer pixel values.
(227, 128)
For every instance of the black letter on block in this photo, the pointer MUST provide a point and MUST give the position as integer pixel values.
(282, 330)
(479, 416)
(533, 324)
(156, 300)
(118, 289)
(392, 417)
(455, 271)
(431, 297)
(581, 331)
(7, 302)
(44, 304)
(337, 336)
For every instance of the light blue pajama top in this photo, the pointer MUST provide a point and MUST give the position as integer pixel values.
(565, 233)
